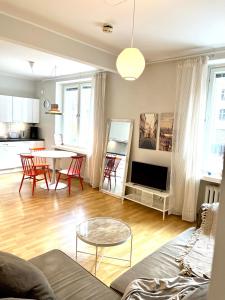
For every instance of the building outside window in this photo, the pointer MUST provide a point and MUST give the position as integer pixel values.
(223, 94)
(222, 114)
(215, 123)
(77, 114)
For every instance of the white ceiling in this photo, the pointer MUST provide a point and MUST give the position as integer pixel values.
(14, 59)
(164, 28)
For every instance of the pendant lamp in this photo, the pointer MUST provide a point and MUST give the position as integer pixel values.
(130, 62)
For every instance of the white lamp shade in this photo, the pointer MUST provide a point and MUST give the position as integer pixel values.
(130, 63)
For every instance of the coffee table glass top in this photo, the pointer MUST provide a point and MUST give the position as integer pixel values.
(103, 232)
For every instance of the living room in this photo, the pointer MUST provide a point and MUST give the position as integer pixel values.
(182, 77)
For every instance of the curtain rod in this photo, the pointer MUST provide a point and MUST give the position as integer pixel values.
(210, 53)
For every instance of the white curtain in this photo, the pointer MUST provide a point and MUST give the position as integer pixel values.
(97, 132)
(188, 136)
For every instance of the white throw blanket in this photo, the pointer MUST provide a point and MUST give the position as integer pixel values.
(195, 261)
(163, 289)
(197, 258)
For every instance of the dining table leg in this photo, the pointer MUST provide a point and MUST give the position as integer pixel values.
(52, 184)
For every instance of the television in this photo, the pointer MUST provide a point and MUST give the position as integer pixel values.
(152, 176)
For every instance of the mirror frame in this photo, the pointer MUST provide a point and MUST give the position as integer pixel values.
(131, 121)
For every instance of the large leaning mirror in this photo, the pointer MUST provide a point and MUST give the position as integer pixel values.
(116, 156)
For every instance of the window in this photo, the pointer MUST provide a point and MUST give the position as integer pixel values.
(215, 123)
(77, 114)
(222, 114)
(223, 94)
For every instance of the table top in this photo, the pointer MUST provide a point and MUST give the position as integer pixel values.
(53, 154)
(103, 232)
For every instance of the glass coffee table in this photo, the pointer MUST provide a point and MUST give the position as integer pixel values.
(103, 232)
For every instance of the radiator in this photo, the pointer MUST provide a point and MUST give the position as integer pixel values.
(212, 193)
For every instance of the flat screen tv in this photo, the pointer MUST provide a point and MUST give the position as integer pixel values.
(152, 176)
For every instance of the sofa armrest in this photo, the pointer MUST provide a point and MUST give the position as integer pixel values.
(204, 207)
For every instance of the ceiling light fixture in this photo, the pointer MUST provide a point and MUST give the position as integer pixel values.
(31, 64)
(130, 63)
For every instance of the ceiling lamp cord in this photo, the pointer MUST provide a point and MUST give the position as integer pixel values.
(132, 32)
(130, 62)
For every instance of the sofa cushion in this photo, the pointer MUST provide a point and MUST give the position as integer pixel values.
(160, 264)
(19, 278)
(199, 294)
(70, 280)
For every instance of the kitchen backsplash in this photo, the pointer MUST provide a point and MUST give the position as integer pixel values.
(14, 130)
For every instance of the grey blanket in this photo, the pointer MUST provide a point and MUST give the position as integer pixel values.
(163, 289)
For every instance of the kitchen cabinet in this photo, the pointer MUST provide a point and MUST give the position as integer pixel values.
(19, 109)
(35, 110)
(9, 152)
(22, 110)
(25, 110)
(5, 108)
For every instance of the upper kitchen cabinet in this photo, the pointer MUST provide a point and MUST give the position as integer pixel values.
(36, 110)
(25, 110)
(22, 110)
(5, 108)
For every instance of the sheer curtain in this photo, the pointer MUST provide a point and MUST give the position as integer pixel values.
(188, 136)
(97, 132)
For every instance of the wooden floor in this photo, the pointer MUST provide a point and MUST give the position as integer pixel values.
(30, 226)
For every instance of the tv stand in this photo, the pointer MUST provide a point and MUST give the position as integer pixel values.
(152, 198)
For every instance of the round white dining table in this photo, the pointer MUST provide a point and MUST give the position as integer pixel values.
(53, 154)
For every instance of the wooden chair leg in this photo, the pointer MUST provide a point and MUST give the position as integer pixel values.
(49, 175)
(46, 182)
(21, 183)
(33, 185)
(110, 182)
(81, 182)
(57, 181)
(69, 184)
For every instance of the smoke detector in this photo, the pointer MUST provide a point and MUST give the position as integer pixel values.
(107, 28)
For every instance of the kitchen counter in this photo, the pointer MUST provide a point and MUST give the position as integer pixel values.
(18, 140)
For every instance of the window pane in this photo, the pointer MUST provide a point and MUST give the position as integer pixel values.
(85, 115)
(215, 135)
(70, 116)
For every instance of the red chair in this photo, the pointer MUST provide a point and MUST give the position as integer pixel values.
(41, 162)
(116, 164)
(30, 171)
(74, 171)
(109, 165)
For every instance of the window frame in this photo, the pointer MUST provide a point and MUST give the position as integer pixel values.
(212, 71)
(75, 84)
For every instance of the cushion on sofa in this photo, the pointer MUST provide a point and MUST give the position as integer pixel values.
(19, 278)
(70, 280)
(199, 294)
(160, 264)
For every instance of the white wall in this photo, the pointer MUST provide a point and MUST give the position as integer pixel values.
(154, 91)
(15, 86)
(47, 122)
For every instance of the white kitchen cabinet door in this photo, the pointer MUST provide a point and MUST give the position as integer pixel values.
(22, 110)
(36, 110)
(5, 108)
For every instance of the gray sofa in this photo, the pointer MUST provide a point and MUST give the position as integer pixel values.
(70, 281)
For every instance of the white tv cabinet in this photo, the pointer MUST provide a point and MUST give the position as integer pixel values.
(149, 197)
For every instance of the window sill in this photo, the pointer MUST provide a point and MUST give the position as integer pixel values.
(212, 179)
(70, 148)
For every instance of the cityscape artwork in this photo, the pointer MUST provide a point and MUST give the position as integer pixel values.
(166, 131)
(156, 131)
(148, 131)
